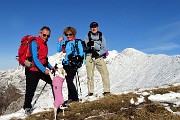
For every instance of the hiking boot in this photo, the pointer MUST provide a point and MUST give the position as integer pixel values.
(28, 111)
(106, 93)
(90, 95)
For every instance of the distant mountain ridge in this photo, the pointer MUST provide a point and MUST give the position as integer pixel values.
(140, 70)
(129, 70)
(128, 66)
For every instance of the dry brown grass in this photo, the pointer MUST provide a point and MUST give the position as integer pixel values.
(114, 107)
(166, 90)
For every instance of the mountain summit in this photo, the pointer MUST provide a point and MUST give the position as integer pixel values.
(129, 70)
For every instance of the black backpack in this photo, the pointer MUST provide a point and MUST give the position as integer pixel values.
(77, 49)
(76, 45)
(100, 38)
(90, 38)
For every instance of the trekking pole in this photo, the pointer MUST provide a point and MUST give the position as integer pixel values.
(39, 95)
(76, 84)
(79, 86)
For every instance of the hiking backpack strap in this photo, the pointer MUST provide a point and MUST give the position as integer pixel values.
(89, 35)
(82, 43)
(64, 46)
(77, 48)
(84, 48)
(76, 45)
(66, 43)
(90, 38)
(100, 36)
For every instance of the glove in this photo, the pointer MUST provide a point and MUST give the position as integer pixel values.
(95, 54)
(90, 43)
(72, 57)
(79, 58)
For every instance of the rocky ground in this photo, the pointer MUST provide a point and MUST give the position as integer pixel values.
(10, 99)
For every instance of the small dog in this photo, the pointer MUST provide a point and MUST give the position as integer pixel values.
(57, 81)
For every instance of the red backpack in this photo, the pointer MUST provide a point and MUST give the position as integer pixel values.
(24, 51)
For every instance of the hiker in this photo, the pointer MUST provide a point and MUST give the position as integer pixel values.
(40, 67)
(72, 60)
(96, 49)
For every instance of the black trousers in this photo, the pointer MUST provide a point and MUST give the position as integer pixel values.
(32, 79)
(72, 92)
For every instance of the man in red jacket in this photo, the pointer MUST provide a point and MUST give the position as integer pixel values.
(39, 51)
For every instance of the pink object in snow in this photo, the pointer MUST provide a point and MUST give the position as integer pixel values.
(107, 53)
(57, 88)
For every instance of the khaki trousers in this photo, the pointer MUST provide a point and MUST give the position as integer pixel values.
(102, 69)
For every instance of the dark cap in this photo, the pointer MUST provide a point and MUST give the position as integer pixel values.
(93, 24)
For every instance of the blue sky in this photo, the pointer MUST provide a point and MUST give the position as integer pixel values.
(151, 26)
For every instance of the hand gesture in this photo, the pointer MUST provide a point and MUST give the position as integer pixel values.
(61, 38)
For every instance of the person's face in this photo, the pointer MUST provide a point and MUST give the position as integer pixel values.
(94, 29)
(44, 34)
(69, 35)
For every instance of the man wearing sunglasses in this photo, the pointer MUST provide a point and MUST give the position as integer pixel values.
(38, 70)
(96, 49)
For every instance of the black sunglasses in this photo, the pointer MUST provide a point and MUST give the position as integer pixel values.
(44, 35)
(93, 26)
(68, 34)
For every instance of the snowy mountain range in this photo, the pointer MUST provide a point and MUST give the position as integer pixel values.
(129, 70)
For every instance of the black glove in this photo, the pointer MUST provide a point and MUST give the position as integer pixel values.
(95, 54)
(72, 57)
(90, 43)
(79, 58)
